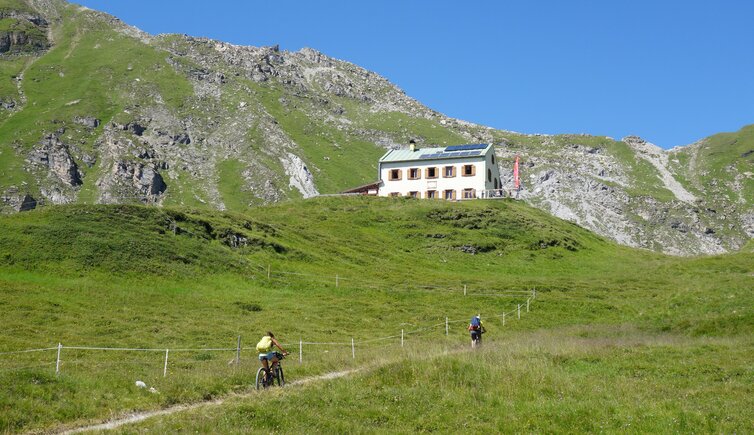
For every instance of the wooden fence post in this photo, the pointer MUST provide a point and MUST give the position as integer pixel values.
(519, 311)
(300, 350)
(401, 338)
(57, 363)
(238, 351)
(353, 349)
(165, 369)
(446, 325)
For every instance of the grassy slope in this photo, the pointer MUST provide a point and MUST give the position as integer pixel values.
(119, 276)
(541, 382)
(723, 151)
(340, 161)
(91, 71)
(15, 5)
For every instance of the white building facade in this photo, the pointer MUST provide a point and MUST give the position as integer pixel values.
(454, 173)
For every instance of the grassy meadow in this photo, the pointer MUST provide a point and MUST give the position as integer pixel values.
(617, 339)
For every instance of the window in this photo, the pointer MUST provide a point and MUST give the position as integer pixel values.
(469, 170)
(414, 174)
(430, 173)
(395, 174)
(395, 194)
(469, 193)
(449, 194)
(413, 194)
(449, 172)
(496, 183)
(431, 194)
(489, 175)
(493, 158)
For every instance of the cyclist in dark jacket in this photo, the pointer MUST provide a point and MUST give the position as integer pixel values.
(476, 328)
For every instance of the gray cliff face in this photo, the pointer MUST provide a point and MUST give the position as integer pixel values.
(230, 127)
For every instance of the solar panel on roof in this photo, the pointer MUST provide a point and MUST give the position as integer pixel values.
(424, 156)
(475, 153)
(478, 146)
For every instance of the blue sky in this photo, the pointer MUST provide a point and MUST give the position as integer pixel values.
(669, 71)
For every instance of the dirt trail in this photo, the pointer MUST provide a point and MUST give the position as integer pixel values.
(140, 416)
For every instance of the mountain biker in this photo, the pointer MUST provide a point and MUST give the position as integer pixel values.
(266, 354)
(476, 328)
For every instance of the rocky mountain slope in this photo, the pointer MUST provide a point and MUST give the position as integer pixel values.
(95, 111)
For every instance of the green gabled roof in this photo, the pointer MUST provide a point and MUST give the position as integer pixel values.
(406, 155)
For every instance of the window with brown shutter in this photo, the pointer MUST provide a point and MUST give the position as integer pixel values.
(449, 194)
(413, 194)
(414, 174)
(449, 171)
(430, 173)
(395, 174)
(469, 193)
(431, 194)
(469, 170)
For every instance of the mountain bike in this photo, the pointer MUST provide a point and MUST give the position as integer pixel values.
(276, 375)
(476, 339)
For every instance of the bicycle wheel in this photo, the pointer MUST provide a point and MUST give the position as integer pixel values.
(280, 376)
(260, 379)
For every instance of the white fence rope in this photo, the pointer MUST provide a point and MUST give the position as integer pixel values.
(28, 351)
(353, 343)
(128, 349)
(335, 279)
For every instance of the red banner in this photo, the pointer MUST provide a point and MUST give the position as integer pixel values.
(516, 180)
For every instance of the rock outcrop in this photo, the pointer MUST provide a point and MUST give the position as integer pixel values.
(54, 155)
(22, 32)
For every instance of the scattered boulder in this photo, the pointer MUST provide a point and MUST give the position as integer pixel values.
(27, 203)
(87, 121)
(469, 249)
(16, 201)
(7, 104)
(136, 128)
(181, 138)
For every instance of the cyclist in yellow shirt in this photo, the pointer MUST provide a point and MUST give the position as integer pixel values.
(266, 354)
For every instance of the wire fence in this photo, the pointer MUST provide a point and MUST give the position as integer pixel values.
(338, 280)
(74, 355)
(61, 354)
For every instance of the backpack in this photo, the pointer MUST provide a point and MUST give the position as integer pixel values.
(475, 324)
(265, 344)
